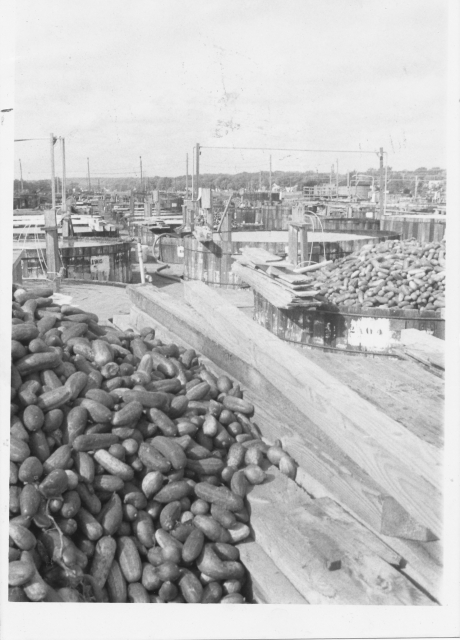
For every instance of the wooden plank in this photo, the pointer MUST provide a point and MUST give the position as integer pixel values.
(376, 443)
(260, 256)
(427, 347)
(294, 531)
(313, 267)
(292, 278)
(421, 561)
(330, 471)
(324, 471)
(277, 295)
(268, 584)
(400, 388)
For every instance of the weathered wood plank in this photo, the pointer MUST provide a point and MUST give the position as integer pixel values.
(268, 584)
(329, 470)
(291, 526)
(376, 443)
(400, 388)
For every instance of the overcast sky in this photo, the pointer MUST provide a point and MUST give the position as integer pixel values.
(122, 79)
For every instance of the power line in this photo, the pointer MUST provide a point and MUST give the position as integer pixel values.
(303, 150)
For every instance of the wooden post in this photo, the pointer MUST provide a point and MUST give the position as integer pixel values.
(270, 181)
(193, 176)
(186, 175)
(53, 181)
(192, 217)
(157, 201)
(337, 180)
(89, 176)
(53, 262)
(197, 169)
(63, 185)
(131, 203)
(226, 234)
(141, 261)
(298, 231)
(381, 196)
(303, 232)
(292, 245)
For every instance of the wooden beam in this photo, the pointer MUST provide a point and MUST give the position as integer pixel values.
(378, 444)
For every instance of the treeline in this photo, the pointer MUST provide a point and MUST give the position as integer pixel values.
(398, 181)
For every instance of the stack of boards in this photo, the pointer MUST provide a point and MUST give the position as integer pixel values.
(276, 279)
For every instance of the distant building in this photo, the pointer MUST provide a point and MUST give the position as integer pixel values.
(325, 191)
(26, 201)
(361, 192)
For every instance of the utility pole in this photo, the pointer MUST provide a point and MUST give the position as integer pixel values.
(381, 184)
(270, 180)
(197, 168)
(337, 179)
(53, 180)
(260, 180)
(20, 168)
(193, 174)
(140, 160)
(63, 185)
(386, 186)
(186, 175)
(415, 193)
(89, 177)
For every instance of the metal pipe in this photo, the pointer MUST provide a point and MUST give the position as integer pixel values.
(141, 261)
